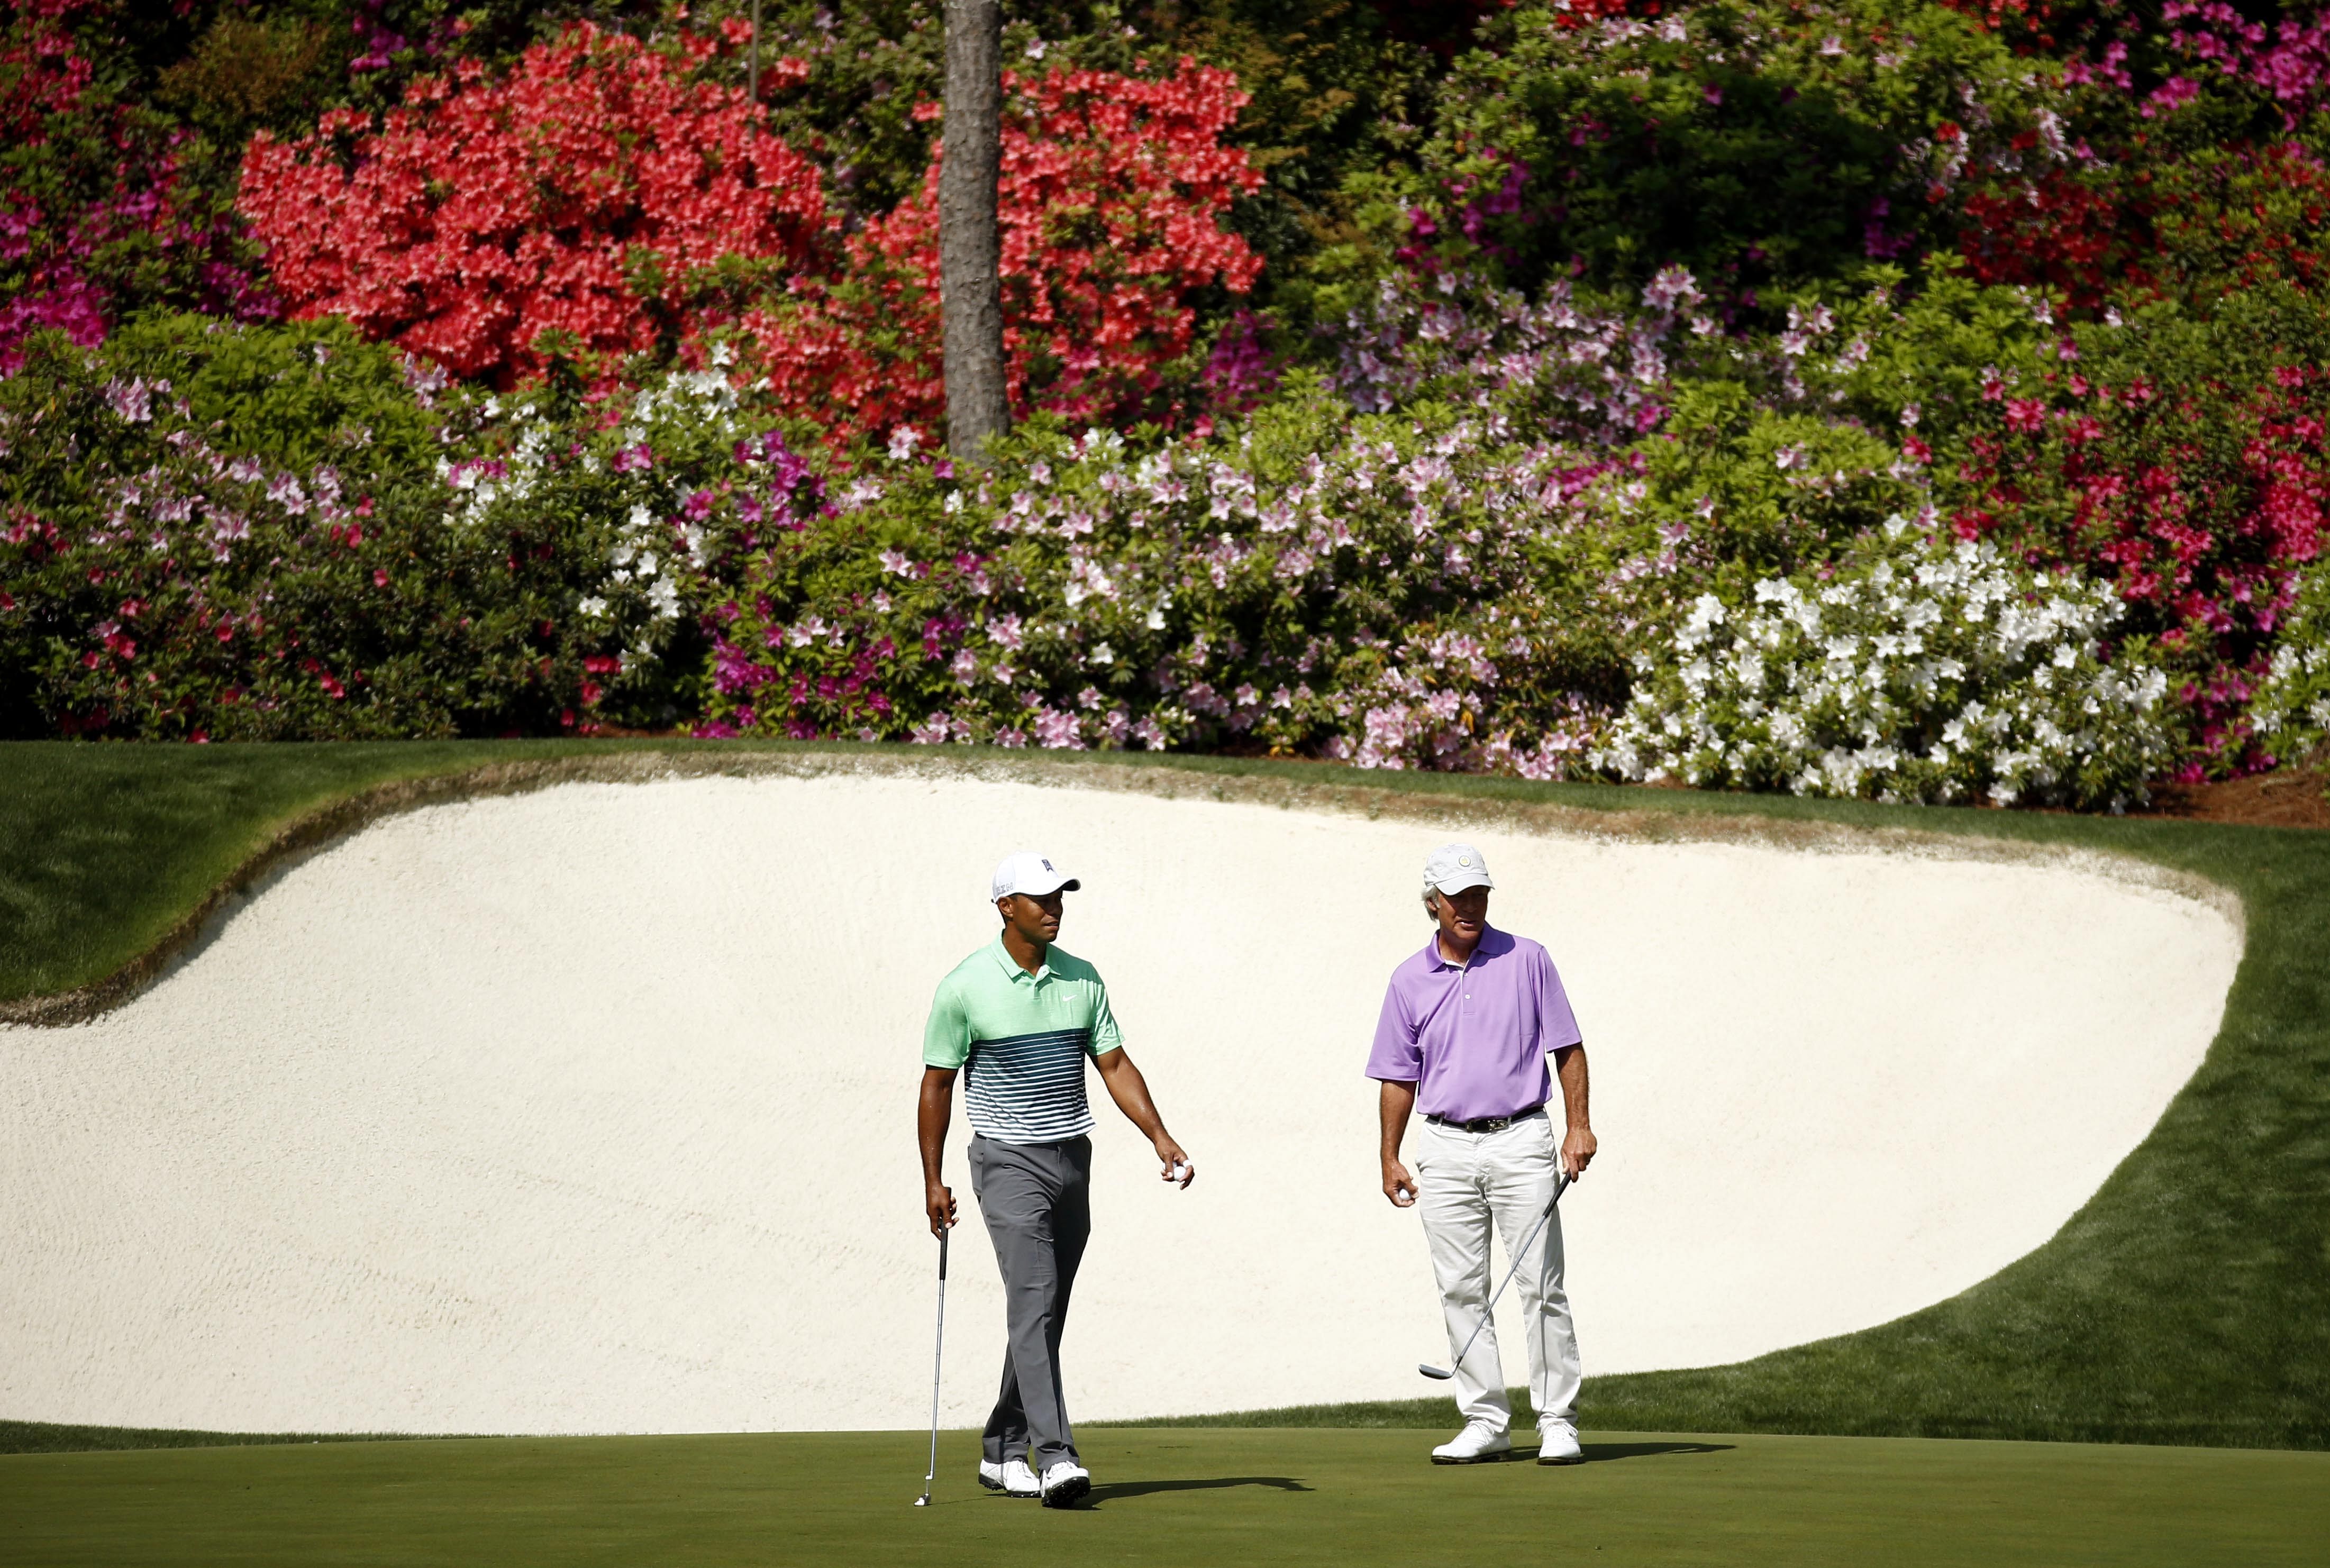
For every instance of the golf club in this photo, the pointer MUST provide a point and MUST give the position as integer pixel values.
(1560, 1183)
(938, 1361)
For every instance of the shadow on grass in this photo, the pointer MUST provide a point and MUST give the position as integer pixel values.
(1598, 1452)
(1114, 1490)
(1595, 1454)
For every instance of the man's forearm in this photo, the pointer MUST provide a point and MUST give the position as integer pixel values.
(933, 1116)
(1393, 1106)
(1569, 1065)
(1131, 1093)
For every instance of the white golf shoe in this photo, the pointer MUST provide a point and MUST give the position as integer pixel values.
(1558, 1444)
(1477, 1444)
(1012, 1477)
(1066, 1484)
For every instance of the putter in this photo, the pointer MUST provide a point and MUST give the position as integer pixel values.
(938, 1361)
(1443, 1374)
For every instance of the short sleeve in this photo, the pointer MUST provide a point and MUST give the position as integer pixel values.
(946, 1037)
(1557, 1027)
(1395, 1058)
(1105, 1037)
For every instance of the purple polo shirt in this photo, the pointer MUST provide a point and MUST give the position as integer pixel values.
(1474, 1038)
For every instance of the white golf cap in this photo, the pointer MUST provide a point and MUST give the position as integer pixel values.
(1453, 867)
(1030, 872)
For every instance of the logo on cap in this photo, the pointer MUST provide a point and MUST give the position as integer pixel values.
(1048, 865)
(1463, 860)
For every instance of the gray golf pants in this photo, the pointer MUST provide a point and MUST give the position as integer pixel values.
(1035, 1199)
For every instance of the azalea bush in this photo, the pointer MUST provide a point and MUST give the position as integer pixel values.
(1274, 590)
(1922, 402)
(1331, 90)
(2196, 165)
(98, 212)
(660, 495)
(235, 534)
(597, 194)
(1397, 589)
(2290, 715)
(2182, 459)
(1919, 668)
(609, 198)
(1109, 201)
(1455, 577)
(2216, 220)
(1756, 144)
(2175, 456)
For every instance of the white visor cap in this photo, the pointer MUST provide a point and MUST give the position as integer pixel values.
(1453, 867)
(1030, 872)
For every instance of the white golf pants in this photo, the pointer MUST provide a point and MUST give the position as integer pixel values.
(1467, 1182)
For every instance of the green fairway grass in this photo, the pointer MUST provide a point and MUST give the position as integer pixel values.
(2184, 1304)
(1166, 1496)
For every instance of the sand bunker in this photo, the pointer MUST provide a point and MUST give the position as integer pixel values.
(591, 1110)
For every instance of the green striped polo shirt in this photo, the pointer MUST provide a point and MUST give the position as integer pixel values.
(1021, 1041)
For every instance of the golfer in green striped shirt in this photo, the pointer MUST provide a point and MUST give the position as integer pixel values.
(1016, 1020)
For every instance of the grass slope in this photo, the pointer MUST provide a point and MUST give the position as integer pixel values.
(1165, 1496)
(2183, 1305)
(104, 848)
(42, 1437)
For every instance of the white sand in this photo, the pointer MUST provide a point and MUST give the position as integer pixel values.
(591, 1110)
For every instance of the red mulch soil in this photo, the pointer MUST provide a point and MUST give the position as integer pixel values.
(2285, 798)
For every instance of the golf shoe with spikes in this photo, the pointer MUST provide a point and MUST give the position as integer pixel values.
(1476, 1445)
(1066, 1484)
(1012, 1477)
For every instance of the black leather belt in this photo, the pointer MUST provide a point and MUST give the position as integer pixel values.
(1484, 1123)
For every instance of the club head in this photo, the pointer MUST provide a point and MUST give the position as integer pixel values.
(1440, 1373)
(923, 1501)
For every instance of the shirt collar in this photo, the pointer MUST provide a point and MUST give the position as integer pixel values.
(1432, 956)
(1012, 970)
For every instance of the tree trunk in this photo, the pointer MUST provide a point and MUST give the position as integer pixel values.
(970, 247)
(752, 61)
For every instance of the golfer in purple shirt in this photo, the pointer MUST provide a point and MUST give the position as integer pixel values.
(1467, 1026)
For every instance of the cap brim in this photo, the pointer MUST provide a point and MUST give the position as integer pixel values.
(1065, 884)
(1463, 880)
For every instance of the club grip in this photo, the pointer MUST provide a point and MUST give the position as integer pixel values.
(942, 1250)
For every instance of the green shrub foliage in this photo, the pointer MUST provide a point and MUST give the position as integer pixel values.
(237, 533)
(1755, 145)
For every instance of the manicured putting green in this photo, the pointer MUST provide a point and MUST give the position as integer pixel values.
(1166, 1496)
